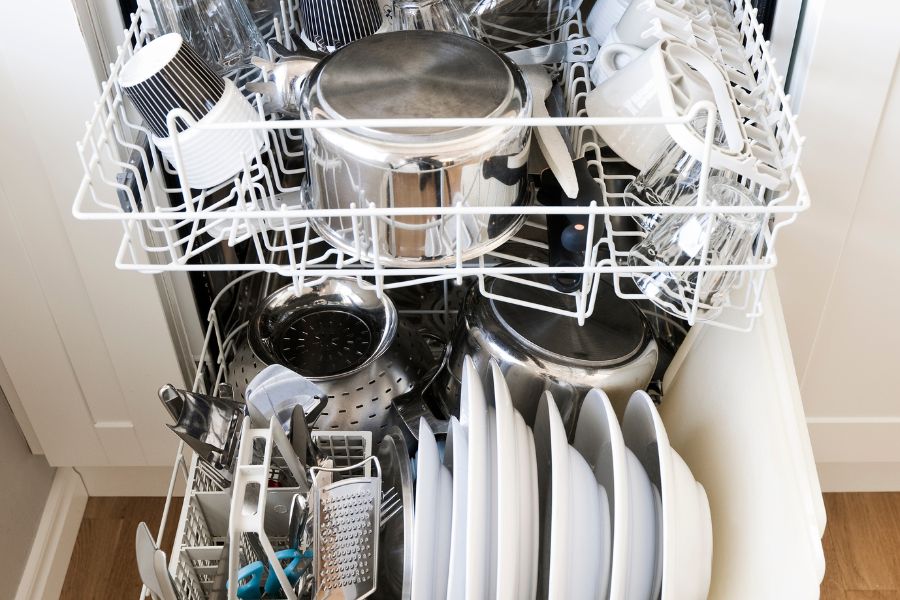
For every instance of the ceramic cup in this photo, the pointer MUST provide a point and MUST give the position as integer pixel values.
(664, 81)
(165, 75)
(210, 157)
(603, 17)
(645, 22)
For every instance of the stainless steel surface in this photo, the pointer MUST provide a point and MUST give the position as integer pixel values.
(283, 77)
(346, 341)
(578, 50)
(346, 517)
(395, 552)
(537, 352)
(207, 424)
(416, 74)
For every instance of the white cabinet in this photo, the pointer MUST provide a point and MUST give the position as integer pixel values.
(85, 346)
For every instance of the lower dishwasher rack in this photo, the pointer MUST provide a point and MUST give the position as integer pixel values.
(732, 409)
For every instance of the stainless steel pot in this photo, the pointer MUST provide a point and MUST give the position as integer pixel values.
(614, 350)
(416, 74)
(344, 339)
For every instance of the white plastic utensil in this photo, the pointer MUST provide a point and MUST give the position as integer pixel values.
(550, 140)
(152, 566)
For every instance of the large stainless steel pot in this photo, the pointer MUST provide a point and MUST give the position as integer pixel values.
(416, 74)
(537, 351)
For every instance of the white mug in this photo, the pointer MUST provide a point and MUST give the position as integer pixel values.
(647, 87)
(604, 16)
(611, 59)
(646, 22)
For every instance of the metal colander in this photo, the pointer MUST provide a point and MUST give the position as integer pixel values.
(343, 338)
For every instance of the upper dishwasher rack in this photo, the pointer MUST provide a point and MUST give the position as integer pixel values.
(168, 226)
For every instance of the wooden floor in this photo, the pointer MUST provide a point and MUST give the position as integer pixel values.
(862, 547)
(103, 562)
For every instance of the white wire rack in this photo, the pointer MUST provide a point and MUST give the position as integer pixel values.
(168, 226)
(203, 525)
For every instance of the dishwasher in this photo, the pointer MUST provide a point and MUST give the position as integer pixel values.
(336, 214)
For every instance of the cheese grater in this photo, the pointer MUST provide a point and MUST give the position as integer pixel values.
(346, 521)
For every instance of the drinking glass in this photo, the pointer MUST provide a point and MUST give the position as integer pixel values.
(673, 175)
(221, 31)
(505, 23)
(434, 15)
(679, 240)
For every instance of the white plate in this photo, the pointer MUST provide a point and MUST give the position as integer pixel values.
(528, 511)
(456, 456)
(431, 532)
(686, 520)
(599, 440)
(478, 494)
(506, 503)
(587, 514)
(552, 451)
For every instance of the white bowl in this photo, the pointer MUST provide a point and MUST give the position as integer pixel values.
(687, 549)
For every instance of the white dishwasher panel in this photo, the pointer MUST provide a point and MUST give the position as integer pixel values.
(732, 410)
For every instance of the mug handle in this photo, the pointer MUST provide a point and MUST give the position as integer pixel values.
(607, 62)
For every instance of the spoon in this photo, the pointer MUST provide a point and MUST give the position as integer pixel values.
(550, 140)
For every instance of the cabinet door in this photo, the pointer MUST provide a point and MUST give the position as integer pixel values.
(85, 346)
(839, 265)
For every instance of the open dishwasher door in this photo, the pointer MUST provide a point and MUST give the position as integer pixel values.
(732, 409)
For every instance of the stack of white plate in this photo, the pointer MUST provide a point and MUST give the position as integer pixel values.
(511, 513)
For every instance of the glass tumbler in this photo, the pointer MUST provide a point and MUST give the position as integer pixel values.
(221, 31)
(678, 241)
(434, 15)
(673, 175)
(505, 23)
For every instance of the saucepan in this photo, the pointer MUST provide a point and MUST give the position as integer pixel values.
(537, 351)
(416, 74)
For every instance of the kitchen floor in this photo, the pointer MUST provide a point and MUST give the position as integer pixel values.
(862, 547)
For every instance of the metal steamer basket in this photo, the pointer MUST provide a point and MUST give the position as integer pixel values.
(344, 339)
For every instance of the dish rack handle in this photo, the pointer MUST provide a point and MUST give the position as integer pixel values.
(248, 500)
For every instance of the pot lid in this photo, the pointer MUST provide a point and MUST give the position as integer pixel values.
(615, 332)
(416, 74)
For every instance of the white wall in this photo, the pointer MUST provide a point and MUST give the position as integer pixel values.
(26, 484)
(839, 273)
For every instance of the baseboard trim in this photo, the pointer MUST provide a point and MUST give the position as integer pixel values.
(48, 561)
(859, 476)
(855, 439)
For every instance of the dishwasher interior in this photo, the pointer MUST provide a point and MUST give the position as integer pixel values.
(410, 327)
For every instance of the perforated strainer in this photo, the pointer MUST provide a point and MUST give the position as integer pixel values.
(343, 338)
